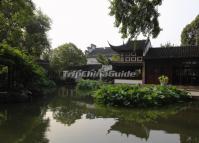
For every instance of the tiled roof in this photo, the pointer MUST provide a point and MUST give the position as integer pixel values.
(131, 46)
(104, 51)
(173, 52)
(126, 63)
(86, 67)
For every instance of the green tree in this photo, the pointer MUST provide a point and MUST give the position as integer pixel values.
(115, 58)
(134, 17)
(102, 59)
(167, 45)
(36, 39)
(190, 34)
(22, 26)
(65, 56)
(13, 17)
(23, 70)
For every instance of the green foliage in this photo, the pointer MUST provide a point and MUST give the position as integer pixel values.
(67, 109)
(89, 84)
(190, 34)
(115, 58)
(167, 45)
(3, 69)
(65, 56)
(137, 115)
(144, 96)
(163, 80)
(28, 74)
(24, 27)
(14, 15)
(102, 59)
(36, 41)
(134, 17)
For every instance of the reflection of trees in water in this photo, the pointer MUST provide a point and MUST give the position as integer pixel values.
(65, 111)
(180, 119)
(67, 115)
(24, 124)
(63, 92)
(3, 117)
(67, 107)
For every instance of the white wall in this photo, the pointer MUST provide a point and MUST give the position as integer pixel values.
(123, 81)
(92, 61)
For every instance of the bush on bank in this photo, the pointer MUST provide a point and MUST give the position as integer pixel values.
(89, 84)
(140, 96)
(28, 76)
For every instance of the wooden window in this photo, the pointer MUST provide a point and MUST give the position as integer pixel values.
(127, 54)
(133, 54)
(133, 59)
(139, 59)
(127, 59)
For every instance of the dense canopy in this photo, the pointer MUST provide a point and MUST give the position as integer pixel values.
(190, 34)
(65, 56)
(135, 17)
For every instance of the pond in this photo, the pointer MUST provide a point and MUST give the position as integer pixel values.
(68, 118)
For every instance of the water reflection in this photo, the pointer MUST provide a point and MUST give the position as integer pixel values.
(23, 123)
(69, 117)
(139, 124)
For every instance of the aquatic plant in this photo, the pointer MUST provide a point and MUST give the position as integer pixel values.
(140, 95)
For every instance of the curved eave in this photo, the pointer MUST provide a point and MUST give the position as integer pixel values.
(128, 46)
(119, 48)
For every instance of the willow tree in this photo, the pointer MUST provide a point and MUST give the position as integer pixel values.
(135, 17)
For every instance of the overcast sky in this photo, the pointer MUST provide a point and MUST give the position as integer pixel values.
(83, 22)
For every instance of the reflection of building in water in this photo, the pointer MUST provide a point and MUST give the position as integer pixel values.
(184, 124)
(130, 128)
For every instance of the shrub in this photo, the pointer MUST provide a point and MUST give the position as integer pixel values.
(89, 84)
(27, 74)
(139, 96)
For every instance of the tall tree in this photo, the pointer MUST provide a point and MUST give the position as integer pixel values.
(190, 34)
(65, 56)
(102, 59)
(134, 17)
(22, 26)
(36, 39)
(13, 17)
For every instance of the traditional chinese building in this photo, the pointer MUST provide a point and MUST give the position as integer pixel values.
(131, 57)
(180, 64)
(92, 52)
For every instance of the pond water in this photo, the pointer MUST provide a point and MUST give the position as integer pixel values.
(68, 118)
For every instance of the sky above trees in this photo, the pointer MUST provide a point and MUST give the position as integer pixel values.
(88, 21)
